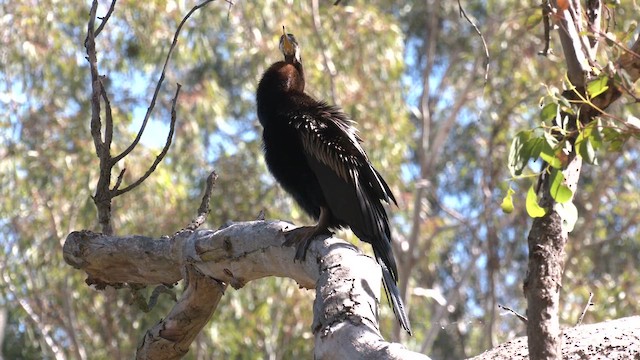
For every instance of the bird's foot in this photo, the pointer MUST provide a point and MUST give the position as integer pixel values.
(302, 237)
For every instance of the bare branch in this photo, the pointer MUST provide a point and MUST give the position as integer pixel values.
(204, 209)
(347, 282)
(105, 18)
(546, 22)
(170, 337)
(160, 156)
(487, 58)
(576, 52)
(584, 311)
(108, 128)
(152, 104)
(119, 180)
(90, 45)
(102, 198)
(517, 314)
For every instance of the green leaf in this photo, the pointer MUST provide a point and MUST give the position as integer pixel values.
(595, 135)
(548, 154)
(507, 202)
(569, 214)
(549, 112)
(533, 208)
(586, 150)
(559, 192)
(535, 147)
(615, 138)
(519, 153)
(597, 86)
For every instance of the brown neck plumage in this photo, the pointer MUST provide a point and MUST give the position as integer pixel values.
(290, 76)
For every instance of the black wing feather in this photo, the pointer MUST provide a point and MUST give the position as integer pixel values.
(353, 189)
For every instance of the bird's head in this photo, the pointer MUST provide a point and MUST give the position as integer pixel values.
(289, 47)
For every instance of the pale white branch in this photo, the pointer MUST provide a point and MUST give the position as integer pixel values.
(347, 282)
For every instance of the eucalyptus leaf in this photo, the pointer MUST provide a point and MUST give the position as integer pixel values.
(533, 208)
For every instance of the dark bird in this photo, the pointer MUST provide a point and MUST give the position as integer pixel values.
(313, 150)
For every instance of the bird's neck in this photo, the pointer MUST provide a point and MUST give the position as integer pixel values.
(286, 76)
(278, 84)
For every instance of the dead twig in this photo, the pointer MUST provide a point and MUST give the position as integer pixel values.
(159, 83)
(487, 58)
(105, 18)
(517, 314)
(586, 307)
(204, 208)
(165, 149)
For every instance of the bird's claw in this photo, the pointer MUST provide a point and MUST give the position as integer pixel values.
(302, 237)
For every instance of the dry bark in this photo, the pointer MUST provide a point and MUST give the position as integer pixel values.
(616, 339)
(347, 283)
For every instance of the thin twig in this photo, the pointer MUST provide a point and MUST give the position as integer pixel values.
(487, 58)
(160, 156)
(231, 4)
(204, 208)
(586, 307)
(159, 84)
(90, 45)
(517, 314)
(119, 180)
(546, 21)
(108, 127)
(102, 197)
(105, 18)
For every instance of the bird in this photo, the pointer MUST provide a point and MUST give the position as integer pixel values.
(314, 151)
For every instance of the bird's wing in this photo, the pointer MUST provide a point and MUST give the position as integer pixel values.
(329, 137)
(351, 186)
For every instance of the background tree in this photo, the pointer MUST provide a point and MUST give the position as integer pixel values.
(411, 75)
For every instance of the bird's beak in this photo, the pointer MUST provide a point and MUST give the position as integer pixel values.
(287, 46)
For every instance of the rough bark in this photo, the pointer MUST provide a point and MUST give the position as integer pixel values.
(543, 284)
(616, 339)
(347, 283)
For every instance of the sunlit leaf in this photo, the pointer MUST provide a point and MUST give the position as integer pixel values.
(549, 112)
(507, 202)
(548, 154)
(518, 153)
(586, 150)
(533, 208)
(559, 191)
(569, 214)
(597, 86)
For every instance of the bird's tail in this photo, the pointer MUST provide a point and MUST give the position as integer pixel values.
(393, 295)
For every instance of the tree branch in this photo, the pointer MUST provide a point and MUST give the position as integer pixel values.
(347, 283)
(615, 339)
(172, 127)
(152, 104)
(170, 337)
(105, 18)
(204, 209)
